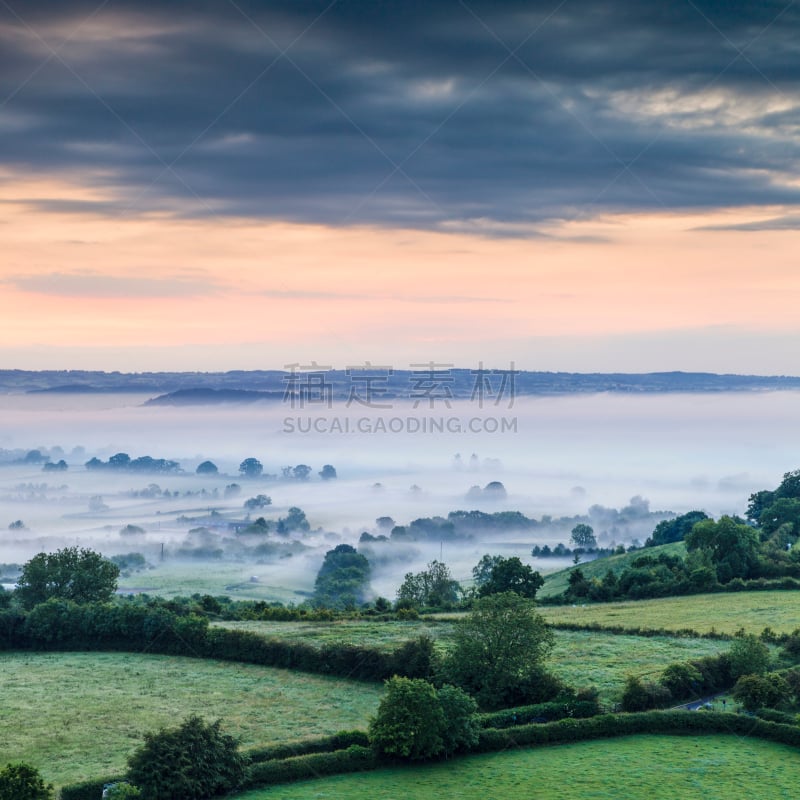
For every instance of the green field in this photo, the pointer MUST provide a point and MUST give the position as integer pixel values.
(79, 715)
(558, 582)
(604, 660)
(383, 635)
(651, 767)
(174, 579)
(580, 658)
(725, 613)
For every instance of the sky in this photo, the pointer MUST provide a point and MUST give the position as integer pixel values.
(567, 185)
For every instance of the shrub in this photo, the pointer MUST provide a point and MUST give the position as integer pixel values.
(749, 656)
(122, 791)
(460, 730)
(640, 695)
(682, 680)
(23, 782)
(410, 720)
(87, 790)
(761, 691)
(193, 761)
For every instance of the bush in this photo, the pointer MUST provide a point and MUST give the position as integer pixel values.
(640, 695)
(23, 782)
(409, 722)
(122, 791)
(682, 680)
(193, 761)
(87, 790)
(749, 656)
(761, 691)
(460, 730)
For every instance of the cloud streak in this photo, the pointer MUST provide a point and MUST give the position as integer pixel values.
(64, 284)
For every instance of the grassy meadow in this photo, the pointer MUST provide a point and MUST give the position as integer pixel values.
(579, 657)
(79, 715)
(724, 613)
(647, 767)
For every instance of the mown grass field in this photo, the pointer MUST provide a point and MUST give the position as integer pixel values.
(645, 767)
(558, 582)
(725, 613)
(79, 715)
(580, 658)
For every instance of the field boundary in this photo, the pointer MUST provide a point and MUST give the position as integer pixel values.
(356, 757)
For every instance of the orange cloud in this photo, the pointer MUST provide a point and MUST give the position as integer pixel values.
(84, 280)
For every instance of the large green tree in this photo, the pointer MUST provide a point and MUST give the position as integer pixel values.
(511, 575)
(732, 546)
(582, 535)
(73, 573)
(498, 647)
(343, 578)
(251, 468)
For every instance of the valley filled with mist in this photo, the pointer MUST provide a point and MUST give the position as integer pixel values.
(621, 463)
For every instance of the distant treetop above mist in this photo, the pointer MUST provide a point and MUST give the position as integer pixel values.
(427, 385)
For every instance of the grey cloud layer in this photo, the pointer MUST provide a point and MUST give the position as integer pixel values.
(426, 114)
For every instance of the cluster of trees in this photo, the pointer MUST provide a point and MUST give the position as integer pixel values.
(722, 555)
(123, 462)
(433, 586)
(674, 530)
(253, 468)
(745, 668)
(562, 551)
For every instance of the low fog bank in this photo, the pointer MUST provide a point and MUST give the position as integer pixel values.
(618, 463)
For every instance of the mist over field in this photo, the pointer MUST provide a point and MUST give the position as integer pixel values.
(556, 457)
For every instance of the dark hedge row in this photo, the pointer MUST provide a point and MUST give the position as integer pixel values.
(348, 751)
(322, 744)
(355, 758)
(773, 715)
(540, 713)
(680, 633)
(671, 588)
(647, 722)
(63, 625)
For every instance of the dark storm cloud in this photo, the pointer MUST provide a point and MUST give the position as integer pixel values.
(496, 116)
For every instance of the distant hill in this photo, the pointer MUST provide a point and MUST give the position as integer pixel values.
(196, 397)
(418, 385)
